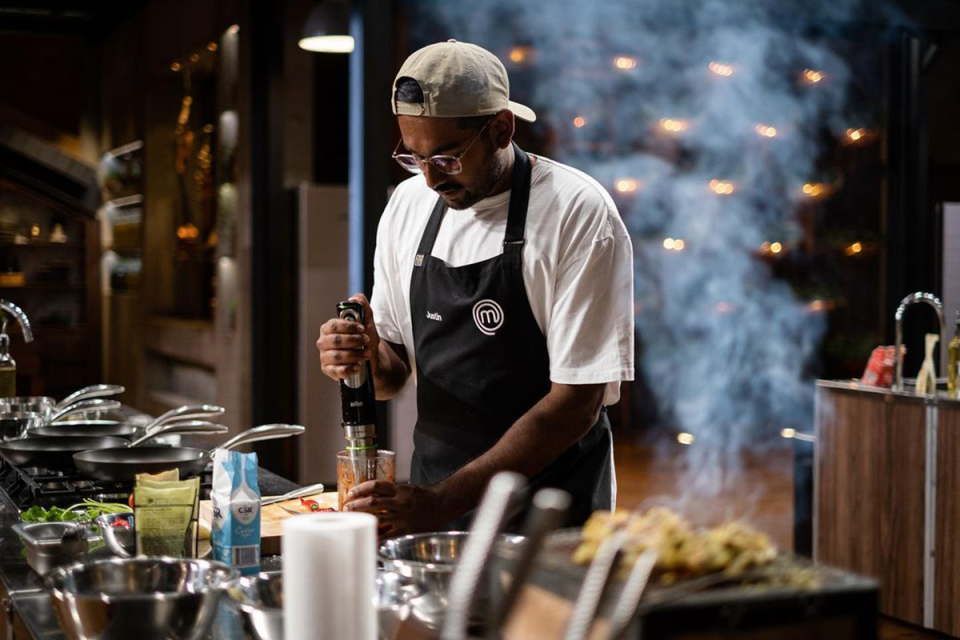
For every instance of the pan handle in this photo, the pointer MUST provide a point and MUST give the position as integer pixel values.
(93, 391)
(85, 405)
(187, 412)
(194, 427)
(263, 432)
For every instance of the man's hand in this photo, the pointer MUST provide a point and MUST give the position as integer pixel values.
(401, 509)
(344, 345)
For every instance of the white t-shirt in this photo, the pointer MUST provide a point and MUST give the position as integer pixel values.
(577, 268)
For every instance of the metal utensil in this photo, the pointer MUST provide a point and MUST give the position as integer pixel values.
(547, 511)
(296, 493)
(46, 406)
(117, 530)
(626, 606)
(123, 464)
(502, 491)
(52, 544)
(148, 598)
(186, 412)
(86, 428)
(260, 601)
(16, 424)
(591, 593)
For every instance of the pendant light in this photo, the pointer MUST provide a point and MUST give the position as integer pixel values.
(327, 29)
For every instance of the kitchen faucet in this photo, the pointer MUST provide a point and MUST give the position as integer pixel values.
(910, 300)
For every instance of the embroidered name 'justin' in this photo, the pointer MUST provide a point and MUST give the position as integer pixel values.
(434, 316)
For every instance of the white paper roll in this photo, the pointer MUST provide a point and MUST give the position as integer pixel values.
(329, 574)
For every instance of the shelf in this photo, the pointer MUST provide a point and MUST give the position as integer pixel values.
(43, 245)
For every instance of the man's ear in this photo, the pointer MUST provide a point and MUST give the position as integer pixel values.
(502, 129)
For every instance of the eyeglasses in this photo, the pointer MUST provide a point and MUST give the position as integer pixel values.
(449, 165)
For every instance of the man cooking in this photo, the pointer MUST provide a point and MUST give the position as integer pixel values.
(503, 282)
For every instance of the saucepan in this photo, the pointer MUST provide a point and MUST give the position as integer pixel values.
(58, 453)
(15, 425)
(126, 429)
(119, 464)
(47, 406)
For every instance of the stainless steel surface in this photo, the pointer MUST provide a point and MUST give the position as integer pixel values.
(14, 426)
(20, 317)
(503, 491)
(429, 559)
(548, 509)
(120, 540)
(141, 598)
(591, 592)
(93, 391)
(94, 404)
(195, 427)
(259, 600)
(184, 413)
(398, 598)
(263, 432)
(905, 304)
(299, 493)
(46, 546)
(626, 607)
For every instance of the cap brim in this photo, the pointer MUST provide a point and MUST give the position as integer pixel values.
(523, 112)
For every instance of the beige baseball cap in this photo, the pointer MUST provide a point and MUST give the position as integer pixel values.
(458, 80)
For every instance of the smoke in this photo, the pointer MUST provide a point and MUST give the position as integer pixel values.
(704, 120)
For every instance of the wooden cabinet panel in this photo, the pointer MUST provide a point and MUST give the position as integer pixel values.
(946, 608)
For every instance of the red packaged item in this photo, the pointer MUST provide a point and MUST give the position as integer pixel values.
(880, 368)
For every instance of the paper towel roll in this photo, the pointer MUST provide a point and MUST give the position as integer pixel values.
(329, 574)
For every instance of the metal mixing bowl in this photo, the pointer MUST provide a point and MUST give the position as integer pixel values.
(14, 426)
(260, 601)
(429, 559)
(143, 598)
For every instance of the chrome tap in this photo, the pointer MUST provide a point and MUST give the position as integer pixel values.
(911, 299)
(21, 317)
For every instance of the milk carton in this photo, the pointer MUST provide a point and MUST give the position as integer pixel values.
(235, 530)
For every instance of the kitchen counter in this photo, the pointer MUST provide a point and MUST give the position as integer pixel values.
(26, 604)
(887, 496)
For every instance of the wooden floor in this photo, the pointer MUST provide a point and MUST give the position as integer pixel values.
(761, 492)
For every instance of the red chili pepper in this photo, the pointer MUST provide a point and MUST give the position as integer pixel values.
(327, 509)
(120, 523)
(313, 504)
(130, 500)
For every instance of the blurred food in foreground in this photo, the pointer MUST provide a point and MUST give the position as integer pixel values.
(684, 551)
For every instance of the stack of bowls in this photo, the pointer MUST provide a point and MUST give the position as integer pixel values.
(142, 598)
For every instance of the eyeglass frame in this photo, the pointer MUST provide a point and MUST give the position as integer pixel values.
(422, 163)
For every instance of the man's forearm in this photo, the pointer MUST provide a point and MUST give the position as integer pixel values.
(390, 372)
(538, 438)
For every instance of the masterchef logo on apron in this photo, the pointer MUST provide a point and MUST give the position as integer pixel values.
(488, 315)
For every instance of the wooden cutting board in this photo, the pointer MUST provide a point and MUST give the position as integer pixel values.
(272, 517)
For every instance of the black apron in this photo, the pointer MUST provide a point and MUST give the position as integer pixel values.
(482, 363)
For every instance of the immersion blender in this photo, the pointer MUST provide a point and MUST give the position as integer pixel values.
(358, 407)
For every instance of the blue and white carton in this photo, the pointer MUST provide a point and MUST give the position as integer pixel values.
(235, 530)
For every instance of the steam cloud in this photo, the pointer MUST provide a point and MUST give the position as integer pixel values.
(726, 346)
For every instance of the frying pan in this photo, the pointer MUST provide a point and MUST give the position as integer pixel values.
(126, 429)
(121, 464)
(15, 425)
(47, 406)
(57, 453)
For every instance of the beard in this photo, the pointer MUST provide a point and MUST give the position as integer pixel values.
(465, 197)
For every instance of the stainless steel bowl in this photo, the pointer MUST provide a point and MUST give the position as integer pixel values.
(14, 426)
(259, 599)
(142, 598)
(121, 539)
(429, 559)
(44, 405)
(46, 547)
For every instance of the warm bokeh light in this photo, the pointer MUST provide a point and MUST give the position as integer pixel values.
(175, 66)
(668, 244)
(195, 57)
(579, 122)
(788, 433)
(233, 30)
(776, 247)
(721, 187)
(685, 438)
(854, 249)
(721, 69)
(672, 125)
(816, 306)
(814, 189)
(674, 244)
(212, 46)
(188, 232)
(856, 135)
(626, 185)
(811, 76)
(520, 54)
(678, 245)
(766, 130)
(624, 63)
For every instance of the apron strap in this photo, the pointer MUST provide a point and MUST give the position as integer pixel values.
(516, 218)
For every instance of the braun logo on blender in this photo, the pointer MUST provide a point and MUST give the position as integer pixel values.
(488, 316)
